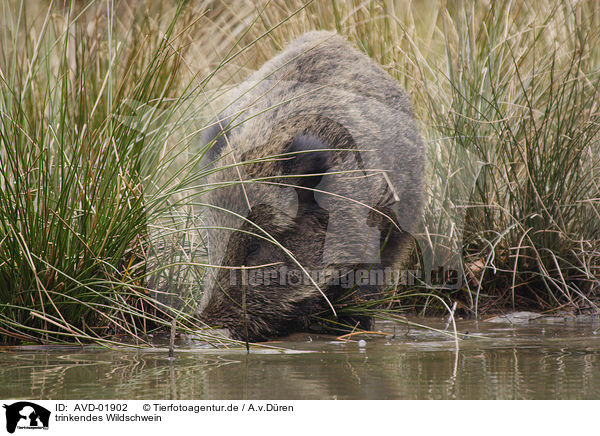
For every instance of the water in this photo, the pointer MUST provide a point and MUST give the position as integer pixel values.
(541, 359)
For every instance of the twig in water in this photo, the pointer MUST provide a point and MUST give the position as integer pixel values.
(366, 332)
(244, 285)
(172, 339)
(450, 316)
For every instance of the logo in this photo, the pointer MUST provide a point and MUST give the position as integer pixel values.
(26, 415)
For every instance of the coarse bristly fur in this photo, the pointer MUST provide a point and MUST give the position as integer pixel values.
(316, 161)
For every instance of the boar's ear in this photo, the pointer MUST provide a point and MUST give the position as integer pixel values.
(321, 145)
(308, 155)
(216, 131)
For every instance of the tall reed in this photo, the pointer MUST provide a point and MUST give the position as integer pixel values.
(88, 105)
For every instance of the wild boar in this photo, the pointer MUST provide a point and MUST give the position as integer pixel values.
(316, 173)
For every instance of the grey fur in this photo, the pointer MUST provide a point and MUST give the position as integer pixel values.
(319, 107)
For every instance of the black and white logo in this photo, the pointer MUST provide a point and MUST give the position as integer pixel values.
(26, 415)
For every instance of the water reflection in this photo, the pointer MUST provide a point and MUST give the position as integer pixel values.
(508, 362)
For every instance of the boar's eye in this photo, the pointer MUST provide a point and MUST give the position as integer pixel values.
(252, 248)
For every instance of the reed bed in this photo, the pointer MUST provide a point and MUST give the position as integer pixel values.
(102, 104)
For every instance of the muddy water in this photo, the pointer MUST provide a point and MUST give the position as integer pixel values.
(533, 359)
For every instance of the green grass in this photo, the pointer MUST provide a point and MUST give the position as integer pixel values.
(85, 182)
(99, 108)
